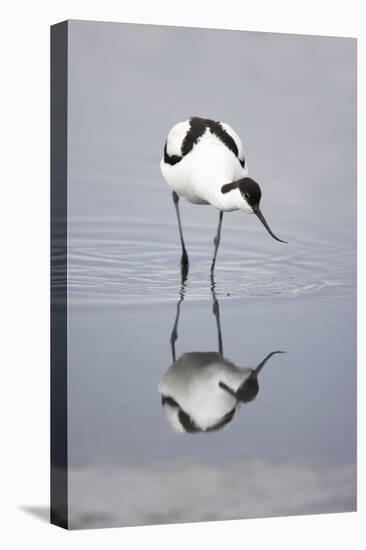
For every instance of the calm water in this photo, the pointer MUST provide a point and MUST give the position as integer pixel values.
(139, 262)
(292, 449)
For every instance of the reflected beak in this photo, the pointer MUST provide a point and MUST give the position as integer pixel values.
(258, 213)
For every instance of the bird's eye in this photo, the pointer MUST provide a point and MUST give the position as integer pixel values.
(246, 195)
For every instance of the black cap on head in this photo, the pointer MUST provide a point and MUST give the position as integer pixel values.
(249, 389)
(250, 190)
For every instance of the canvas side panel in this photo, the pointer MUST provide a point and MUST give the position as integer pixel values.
(59, 492)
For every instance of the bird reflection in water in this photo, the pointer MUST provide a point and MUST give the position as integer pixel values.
(201, 391)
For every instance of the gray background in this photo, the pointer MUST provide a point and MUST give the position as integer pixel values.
(292, 100)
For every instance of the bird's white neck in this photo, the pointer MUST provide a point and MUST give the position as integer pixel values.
(227, 202)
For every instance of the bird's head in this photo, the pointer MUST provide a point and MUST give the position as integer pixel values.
(251, 194)
(247, 391)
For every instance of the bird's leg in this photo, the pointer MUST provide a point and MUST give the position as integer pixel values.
(217, 241)
(216, 312)
(174, 333)
(184, 260)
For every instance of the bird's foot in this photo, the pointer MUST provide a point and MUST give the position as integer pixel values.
(184, 268)
(184, 260)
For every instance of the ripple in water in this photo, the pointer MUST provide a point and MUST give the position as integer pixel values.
(138, 263)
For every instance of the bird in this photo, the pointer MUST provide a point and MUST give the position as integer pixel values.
(203, 162)
(201, 391)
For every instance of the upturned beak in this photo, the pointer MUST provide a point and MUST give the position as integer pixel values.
(258, 213)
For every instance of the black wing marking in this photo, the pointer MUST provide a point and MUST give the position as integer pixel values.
(170, 159)
(197, 128)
